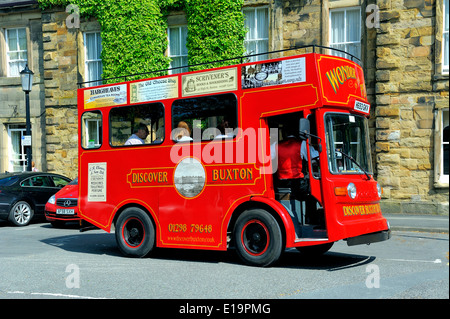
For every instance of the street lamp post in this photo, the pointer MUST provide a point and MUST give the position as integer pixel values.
(26, 76)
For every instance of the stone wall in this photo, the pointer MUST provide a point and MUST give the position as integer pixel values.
(60, 77)
(408, 90)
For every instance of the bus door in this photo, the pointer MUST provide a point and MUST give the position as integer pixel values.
(352, 195)
(296, 194)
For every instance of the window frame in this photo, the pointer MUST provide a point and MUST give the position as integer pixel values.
(440, 179)
(147, 105)
(445, 50)
(8, 50)
(22, 129)
(170, 55)
(346, 42)
(175, 120)
(246, 41)
(88, 62)
(85, 133)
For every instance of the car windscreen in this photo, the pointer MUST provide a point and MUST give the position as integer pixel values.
(8, 181)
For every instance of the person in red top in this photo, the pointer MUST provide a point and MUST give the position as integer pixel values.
(289, 173)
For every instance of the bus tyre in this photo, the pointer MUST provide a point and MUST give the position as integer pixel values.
(135, 232)
(258, 238)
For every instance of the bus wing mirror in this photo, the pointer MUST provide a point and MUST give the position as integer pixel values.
(304, 129)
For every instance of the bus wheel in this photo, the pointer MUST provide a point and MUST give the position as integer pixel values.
(135, 232)
(258, 238)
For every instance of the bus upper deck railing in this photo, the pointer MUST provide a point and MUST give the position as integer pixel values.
(240, 59)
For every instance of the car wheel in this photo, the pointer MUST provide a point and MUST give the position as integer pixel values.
(21, 214)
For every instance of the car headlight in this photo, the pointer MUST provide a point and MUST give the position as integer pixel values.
(351, 190)
(52, 200)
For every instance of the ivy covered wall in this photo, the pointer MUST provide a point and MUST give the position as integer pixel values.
(134, 38)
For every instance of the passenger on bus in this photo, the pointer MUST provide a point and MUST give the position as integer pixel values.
(139, 136)
(224, 129)
(182, 132)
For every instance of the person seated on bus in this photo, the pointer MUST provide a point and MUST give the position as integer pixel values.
(290, 170)
(182, 132)
(224, 129)
(139, 136)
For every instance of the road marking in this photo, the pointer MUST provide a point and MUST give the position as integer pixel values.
(25, 228)
(55, 295)
(436, 261)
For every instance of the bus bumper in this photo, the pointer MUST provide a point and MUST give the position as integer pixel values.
(369, 238)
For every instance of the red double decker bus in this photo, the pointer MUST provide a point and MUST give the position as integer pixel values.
(194, 160)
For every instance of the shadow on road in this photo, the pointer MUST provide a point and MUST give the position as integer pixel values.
(105, 244)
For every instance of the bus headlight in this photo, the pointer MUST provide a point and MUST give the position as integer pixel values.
(351, 190)
(379, 190)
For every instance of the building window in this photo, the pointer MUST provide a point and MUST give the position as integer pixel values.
(16, 150)
(441, 149)
(93, 60)
(177, 48)
(445, 38)
(445, 158)
(16, 51)
(345, 31)
(257, 36)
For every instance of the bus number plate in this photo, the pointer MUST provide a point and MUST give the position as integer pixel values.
(362, 107)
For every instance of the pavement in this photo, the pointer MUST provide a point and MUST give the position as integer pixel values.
(420, 223)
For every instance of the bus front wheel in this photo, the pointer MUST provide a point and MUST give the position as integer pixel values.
(258, 238)
(135, 232)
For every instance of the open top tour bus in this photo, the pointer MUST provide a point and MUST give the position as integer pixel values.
(191, 160)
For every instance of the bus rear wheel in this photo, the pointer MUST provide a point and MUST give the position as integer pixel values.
(135, 232)
(258, 238)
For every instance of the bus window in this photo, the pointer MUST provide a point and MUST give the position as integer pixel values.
(204, 118)
(347, 143)
(91, 130)
(127, 122)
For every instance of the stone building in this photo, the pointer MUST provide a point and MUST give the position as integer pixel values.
(402, 44)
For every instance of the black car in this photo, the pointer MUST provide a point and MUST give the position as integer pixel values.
(24, 195)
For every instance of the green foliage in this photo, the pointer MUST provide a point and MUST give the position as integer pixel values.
(216, 30)
(134, 35)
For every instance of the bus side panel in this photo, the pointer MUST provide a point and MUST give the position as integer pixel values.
(190, 222)
(107, 185)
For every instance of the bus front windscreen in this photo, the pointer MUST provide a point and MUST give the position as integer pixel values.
(348, 146)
